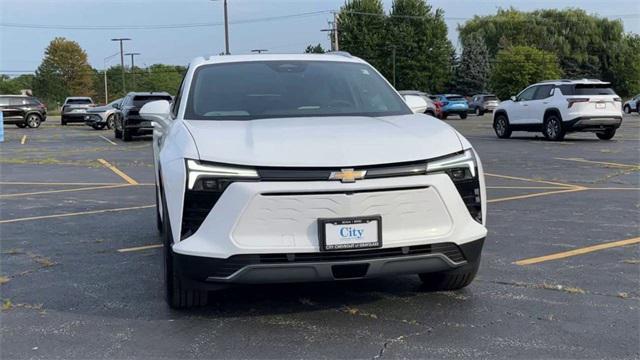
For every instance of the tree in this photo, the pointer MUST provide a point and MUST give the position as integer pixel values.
(585, 45)
(472, 74)
(361, 31)
(520, 66)
(625, 66)
(423, 51)
(64, 71)
(317, 49)
(9, 85)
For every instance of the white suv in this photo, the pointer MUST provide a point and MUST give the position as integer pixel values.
(557, 107)
(295, 168)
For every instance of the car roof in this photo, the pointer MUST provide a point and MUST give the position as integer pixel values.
(572, 82)
(450, 95)
(17, 96)
(78, 98)
(160, 93)
(412, 92)
(337, 56)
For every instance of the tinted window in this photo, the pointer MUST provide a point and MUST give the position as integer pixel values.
(490, 98)
(17, 101)
(527, 94)
(455, 98)
(79, 101)
(4, 101)
(269, 89)
(140, 100)
(593, 89)
(178, 99)
(543, 92)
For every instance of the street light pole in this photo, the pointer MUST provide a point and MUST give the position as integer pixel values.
(133, 75)
(124, 88)
(226, 28)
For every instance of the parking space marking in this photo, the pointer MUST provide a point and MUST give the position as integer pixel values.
(531, 180)
(64, 190)
(528, 187)
(580, 251)
(140, 248)
(518, 197)
(118, 172)
(601, 163)
(23, 140)
(75, 214)
(107, 140)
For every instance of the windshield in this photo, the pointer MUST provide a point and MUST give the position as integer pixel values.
(140, 100)
(270, 89)
(587, 89)
(79, 101)
(490, 98)
(455, 98)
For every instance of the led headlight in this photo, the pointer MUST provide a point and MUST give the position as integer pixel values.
(463, 170)
(205, 176)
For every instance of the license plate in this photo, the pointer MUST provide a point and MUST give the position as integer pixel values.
(601, 105)
(350, 233)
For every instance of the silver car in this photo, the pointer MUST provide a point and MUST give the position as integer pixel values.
(483, 103)
(431, 106)
(102, 116)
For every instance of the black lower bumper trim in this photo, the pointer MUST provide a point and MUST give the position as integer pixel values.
(291, 267)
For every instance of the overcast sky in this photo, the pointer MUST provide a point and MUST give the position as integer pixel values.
(21, 49)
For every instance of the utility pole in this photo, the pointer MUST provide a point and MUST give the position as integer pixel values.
(335, 30)
(124, 88)
(393, 62)
(133, 75)
(226, 29)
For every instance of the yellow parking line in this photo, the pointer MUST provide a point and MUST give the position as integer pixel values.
(530, 180)
(517, 197)
(600, 162)
(119, 172)
(64, 190)
(527, 187)
(580, 251)
(65, 184)
(23, 140)
(615, 188)
(75, 214)
(109, 141)
(139, 248)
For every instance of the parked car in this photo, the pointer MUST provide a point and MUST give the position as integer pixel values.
(632, 105)
(127, 121)
(453, 104)
(438, 104)
(483, 103)
(100, 117)
(74, 109)
(265, 176)
(557, 107)
(22, 110)
(431, 106)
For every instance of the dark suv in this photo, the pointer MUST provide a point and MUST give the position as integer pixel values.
(128, 122)
(22, 110)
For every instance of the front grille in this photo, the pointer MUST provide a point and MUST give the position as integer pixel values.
(234, 263)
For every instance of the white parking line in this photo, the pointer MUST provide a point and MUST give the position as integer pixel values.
(109, 141)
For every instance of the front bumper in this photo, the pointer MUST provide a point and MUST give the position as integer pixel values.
(593, 123)
(328, 266)
(91, 119)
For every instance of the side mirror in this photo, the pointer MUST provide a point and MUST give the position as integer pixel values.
(513, 98)
(416, 103)
(157, 112)
(116, 106)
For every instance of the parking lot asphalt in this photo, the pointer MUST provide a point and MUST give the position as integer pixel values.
(81, 269)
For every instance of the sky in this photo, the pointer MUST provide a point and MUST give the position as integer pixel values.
(22, 48)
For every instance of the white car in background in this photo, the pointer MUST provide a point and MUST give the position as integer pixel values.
(297, 168)
(557, 107)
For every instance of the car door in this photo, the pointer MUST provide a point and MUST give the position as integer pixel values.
(11, 109)
(520, 111)
(540, 102)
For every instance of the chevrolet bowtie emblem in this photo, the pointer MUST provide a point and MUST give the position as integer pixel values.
(347, 175)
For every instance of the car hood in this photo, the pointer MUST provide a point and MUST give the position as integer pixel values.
(324, 141)
(99, 109)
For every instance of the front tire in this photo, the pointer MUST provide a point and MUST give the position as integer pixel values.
(98, 126)
(463, 116)
(177, 294)
(501, 127)
(627, 109)
(607, 134)
(110, 122)
(553, 129)
(63, 121)
(452, 279)
(479, 112)
(126, 134)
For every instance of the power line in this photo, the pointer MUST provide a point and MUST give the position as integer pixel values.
(160, 26)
